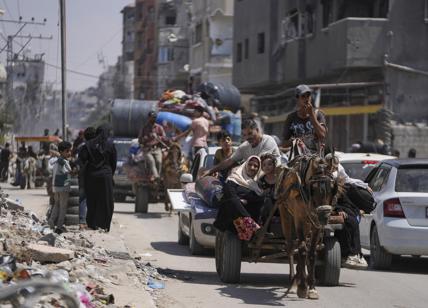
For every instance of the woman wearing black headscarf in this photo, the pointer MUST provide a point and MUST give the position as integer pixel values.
(99, 158)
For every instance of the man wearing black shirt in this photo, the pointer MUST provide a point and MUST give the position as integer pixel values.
(4, 162)
(306, 123)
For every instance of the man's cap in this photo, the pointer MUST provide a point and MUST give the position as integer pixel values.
(152, 114)
(302, 89)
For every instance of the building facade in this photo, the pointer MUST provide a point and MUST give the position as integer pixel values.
(357, 53)
(145, 50)
(173, 22)
(211, 41)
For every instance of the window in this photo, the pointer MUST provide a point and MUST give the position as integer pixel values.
(170, 19)
(412, 179)
(377, 182)
(239, 52)
(139, 10)
(290, 25)
(426, 10)
(261, 42)
(327, 12)
(308, 20)
(197, 34)
(246, 48)
(150, 45)
(166, 54)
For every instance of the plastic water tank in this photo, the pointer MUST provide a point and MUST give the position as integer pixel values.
(226, 94)
(128, 116)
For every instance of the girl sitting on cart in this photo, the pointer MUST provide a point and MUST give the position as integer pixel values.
(242, 200)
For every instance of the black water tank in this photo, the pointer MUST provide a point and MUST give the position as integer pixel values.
(128, 116)
(227, 94)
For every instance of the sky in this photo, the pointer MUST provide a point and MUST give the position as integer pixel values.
(94, 30)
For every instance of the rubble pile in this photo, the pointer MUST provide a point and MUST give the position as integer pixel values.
(29, 249)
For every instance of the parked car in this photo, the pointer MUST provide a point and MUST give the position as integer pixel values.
(399, 223)
(359, 165)
(122, 185)
(195, 217)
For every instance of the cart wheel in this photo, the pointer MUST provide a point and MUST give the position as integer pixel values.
(379, 257)
(218, 251)
(194, 246)
(230, 263)
(328, 272)
(183, 239)
(142, 199)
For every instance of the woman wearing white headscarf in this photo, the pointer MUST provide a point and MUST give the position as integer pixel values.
(242, 200)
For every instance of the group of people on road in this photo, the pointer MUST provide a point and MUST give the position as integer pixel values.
(93, 160)
(248, 189)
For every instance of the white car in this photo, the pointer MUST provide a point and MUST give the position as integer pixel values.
(399, 223)
(359, 165)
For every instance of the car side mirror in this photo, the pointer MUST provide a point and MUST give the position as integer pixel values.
(186, 178)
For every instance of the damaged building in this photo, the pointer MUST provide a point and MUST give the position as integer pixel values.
(365, 59)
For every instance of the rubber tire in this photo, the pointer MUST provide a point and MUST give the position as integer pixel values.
(73, 210)
(218, 251)
(38, 182)
(142, 199)
(74, 181)
(74, 191)
(73, 201)
(230, 263)
(119, 197)
(183, 239)
(71, 220)
(328, 273)
(194, 247)
(379, 258)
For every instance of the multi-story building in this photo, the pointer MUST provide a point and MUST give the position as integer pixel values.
(145, 50)
(363, 56)
(125, 84)
(211, 41)
(173, 44)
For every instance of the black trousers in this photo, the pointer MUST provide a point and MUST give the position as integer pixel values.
(4, 169)
(349, 237)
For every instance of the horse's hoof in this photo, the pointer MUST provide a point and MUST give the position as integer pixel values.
(313, 294)
(302, 292)
(293, 290)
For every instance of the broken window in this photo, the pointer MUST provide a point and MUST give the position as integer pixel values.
(307, 21)
(290, 25)
(261, 42)
(239, 52)
(362, 8)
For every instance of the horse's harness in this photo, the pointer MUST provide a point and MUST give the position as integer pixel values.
(321, 180)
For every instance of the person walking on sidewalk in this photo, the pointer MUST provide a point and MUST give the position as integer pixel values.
(4, 162)
(100, 157)
(61, 187)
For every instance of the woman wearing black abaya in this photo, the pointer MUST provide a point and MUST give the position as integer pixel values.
(99, 159)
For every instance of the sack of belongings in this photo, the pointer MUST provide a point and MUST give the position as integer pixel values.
(210, 190)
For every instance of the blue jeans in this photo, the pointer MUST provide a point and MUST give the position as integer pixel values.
(82, 211)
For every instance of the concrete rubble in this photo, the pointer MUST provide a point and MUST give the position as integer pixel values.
(93, 265)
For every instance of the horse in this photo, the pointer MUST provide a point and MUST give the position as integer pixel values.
(173, 166)
(306, 193)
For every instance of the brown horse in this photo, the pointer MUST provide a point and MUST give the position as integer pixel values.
(173, 166)
(306, 193)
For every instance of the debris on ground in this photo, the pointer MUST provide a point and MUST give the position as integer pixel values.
(29, 249)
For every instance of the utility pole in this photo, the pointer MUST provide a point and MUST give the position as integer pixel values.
(63, 69)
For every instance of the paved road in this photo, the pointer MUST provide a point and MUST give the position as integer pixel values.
(262, 285)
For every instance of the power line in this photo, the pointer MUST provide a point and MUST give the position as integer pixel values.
(73, 71)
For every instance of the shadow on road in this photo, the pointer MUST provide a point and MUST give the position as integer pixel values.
(407, 265)
(173, 248)
(143, 216)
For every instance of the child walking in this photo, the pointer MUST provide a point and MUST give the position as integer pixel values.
(61, 187)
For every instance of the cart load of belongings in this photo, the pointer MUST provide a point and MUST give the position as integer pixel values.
(206, 191)
(177, 101)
